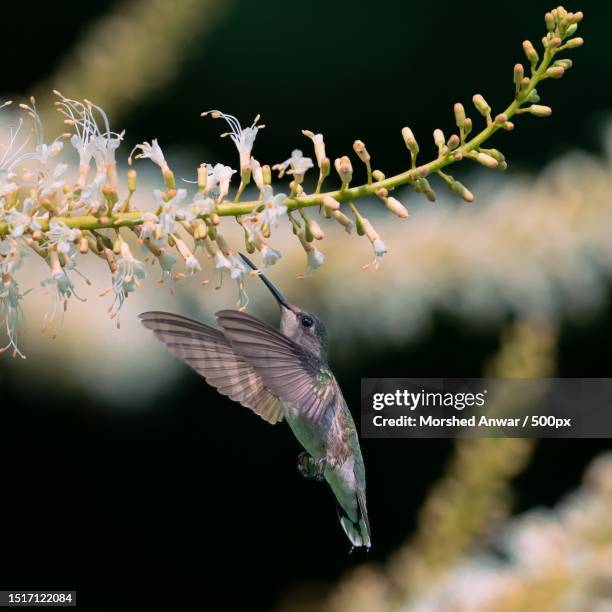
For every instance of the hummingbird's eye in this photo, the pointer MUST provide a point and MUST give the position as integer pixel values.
(307, 321)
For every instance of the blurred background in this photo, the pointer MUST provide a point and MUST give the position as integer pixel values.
(126, 478)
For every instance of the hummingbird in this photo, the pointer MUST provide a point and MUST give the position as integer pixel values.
(281, 374)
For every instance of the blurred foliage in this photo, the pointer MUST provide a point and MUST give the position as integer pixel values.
(129, 54)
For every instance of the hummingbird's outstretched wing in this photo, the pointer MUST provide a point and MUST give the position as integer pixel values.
(211, 355)
(290, 372)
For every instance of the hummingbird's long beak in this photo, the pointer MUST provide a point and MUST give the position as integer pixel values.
(280, 298)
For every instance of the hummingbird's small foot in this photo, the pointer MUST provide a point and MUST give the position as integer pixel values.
(306, 465)
(320, 466)
(310, 468)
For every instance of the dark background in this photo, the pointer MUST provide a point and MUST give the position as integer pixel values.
(196, 497)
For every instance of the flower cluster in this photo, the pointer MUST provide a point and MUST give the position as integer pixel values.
(60, 212)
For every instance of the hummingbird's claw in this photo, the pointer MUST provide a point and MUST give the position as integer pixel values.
(320, 469)
(306, 465)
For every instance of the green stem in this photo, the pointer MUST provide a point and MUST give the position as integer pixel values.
(347, 194)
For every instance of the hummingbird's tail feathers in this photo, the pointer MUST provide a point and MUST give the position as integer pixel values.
(290, 372)
(364, 520)
(358, 533)
(211, 355)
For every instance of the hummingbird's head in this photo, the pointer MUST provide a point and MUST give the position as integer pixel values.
(302, 327)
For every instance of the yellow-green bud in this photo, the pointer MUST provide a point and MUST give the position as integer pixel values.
(462, 191)
(486, 160)
(169, 179)
(343, 220)
(571, 30)
(410, 140)
(378, 175)
(396, 207)
(530, 52)
(519, 75)
(550, 22)
(202, 177)
(453, 142)
(481, 105)
(459, 114)
(555, 72)
(467, 126)
(439, 138)
(574, 42)
(540, 111)
(131, 180)
(330, 203)
(325, 167)
(266, 172)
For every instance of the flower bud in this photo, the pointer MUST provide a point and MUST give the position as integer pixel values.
(540, 111)
(467, 126)
(533, 97)
(330, 203)
(266, 174)
(574, 42)
(410, 140)
(131, 180)
(556, 72)
(396, 207)
(519, 75)
(571, 30)
(530, 52)
(378, 175)
(169, 179)
(566, 64)
(459, 115)
(361, 151)
(344, 169)
(462, 191)
(486, 160)
(481, 105)
(453, 142)
(550, 22)
(343, 220)
(439, 138)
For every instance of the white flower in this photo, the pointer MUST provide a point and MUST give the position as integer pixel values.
(270, 255)
(46, 152)
(28, 218)
(61, 285)
(50, 182)
(62, 237)
(273, 207)
(126, 277)
(202, 205)
(380, 248)
(237, 269)
(151, 151)
(89, 139)
(218, 181)
(314, 260)
(92, 196)
(170, 211)
(297, 164)
(166, 263)
(10, 312)
(193, 264)
(242, 138)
